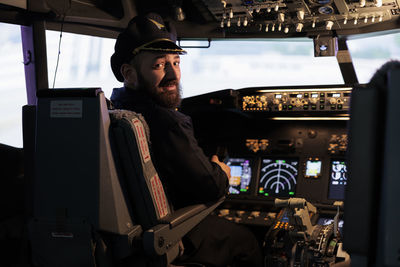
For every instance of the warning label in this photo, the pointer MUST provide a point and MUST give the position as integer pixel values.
(141, 136)
(66, 109)
(159, 196)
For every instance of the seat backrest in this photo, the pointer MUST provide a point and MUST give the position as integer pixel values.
(132, 153)
(129, 135)
(76, 188)
(371, 228)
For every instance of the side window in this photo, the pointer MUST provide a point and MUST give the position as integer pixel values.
(370, 53)
(84, 61)
(12, 85)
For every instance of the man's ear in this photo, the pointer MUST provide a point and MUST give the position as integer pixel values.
(129, 73)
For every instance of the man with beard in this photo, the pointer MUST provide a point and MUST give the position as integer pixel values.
(147, 60)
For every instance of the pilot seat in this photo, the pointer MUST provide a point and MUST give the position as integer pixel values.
(97, 198)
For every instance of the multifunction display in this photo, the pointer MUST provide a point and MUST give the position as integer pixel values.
(240, 175)
(337, 180)
(278, 177)
(313, 168)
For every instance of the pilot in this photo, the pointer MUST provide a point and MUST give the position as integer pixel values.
(147, 61)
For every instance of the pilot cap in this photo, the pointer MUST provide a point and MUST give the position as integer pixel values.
(144, 33)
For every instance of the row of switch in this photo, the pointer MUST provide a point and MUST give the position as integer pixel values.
(313, 107)
(241, 216)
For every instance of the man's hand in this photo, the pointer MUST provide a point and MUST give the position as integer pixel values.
(223, 166)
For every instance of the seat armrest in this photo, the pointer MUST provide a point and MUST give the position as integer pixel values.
(159, 239)
(181, 215)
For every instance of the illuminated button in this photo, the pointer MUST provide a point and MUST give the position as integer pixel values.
(255, 214)
(239, 213)
(284, 107)
(322, 94)
(224, 212)
(313, 107)
(333, 101)
(339, 106)
(322, 101)
(290, 107)
(305, 107)
(321, 106)
(333, 106)
(305, 94)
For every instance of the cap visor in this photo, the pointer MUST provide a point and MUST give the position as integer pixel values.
(164, 45)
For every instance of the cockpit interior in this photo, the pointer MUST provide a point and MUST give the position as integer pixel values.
(314, 165)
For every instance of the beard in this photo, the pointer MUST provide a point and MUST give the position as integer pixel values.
(167, 99)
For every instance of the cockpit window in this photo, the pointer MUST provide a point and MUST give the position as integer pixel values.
(370, 53)
(84, 61)
(238, 64)
(12, 85)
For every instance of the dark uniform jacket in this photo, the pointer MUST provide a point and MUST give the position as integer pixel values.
(188, 175)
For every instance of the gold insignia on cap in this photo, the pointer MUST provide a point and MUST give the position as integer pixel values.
(144, 47)
(159, 25)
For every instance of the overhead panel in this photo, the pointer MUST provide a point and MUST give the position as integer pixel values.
(300, 17)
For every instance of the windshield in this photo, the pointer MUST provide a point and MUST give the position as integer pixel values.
(238, 64)
(85, 62)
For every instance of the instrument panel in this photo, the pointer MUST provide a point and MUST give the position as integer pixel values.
(280, 142)
(333, 100)
(283, 145)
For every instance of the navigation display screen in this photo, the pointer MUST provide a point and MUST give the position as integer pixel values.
(278, 177)
(337, 180)
(240, 175)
